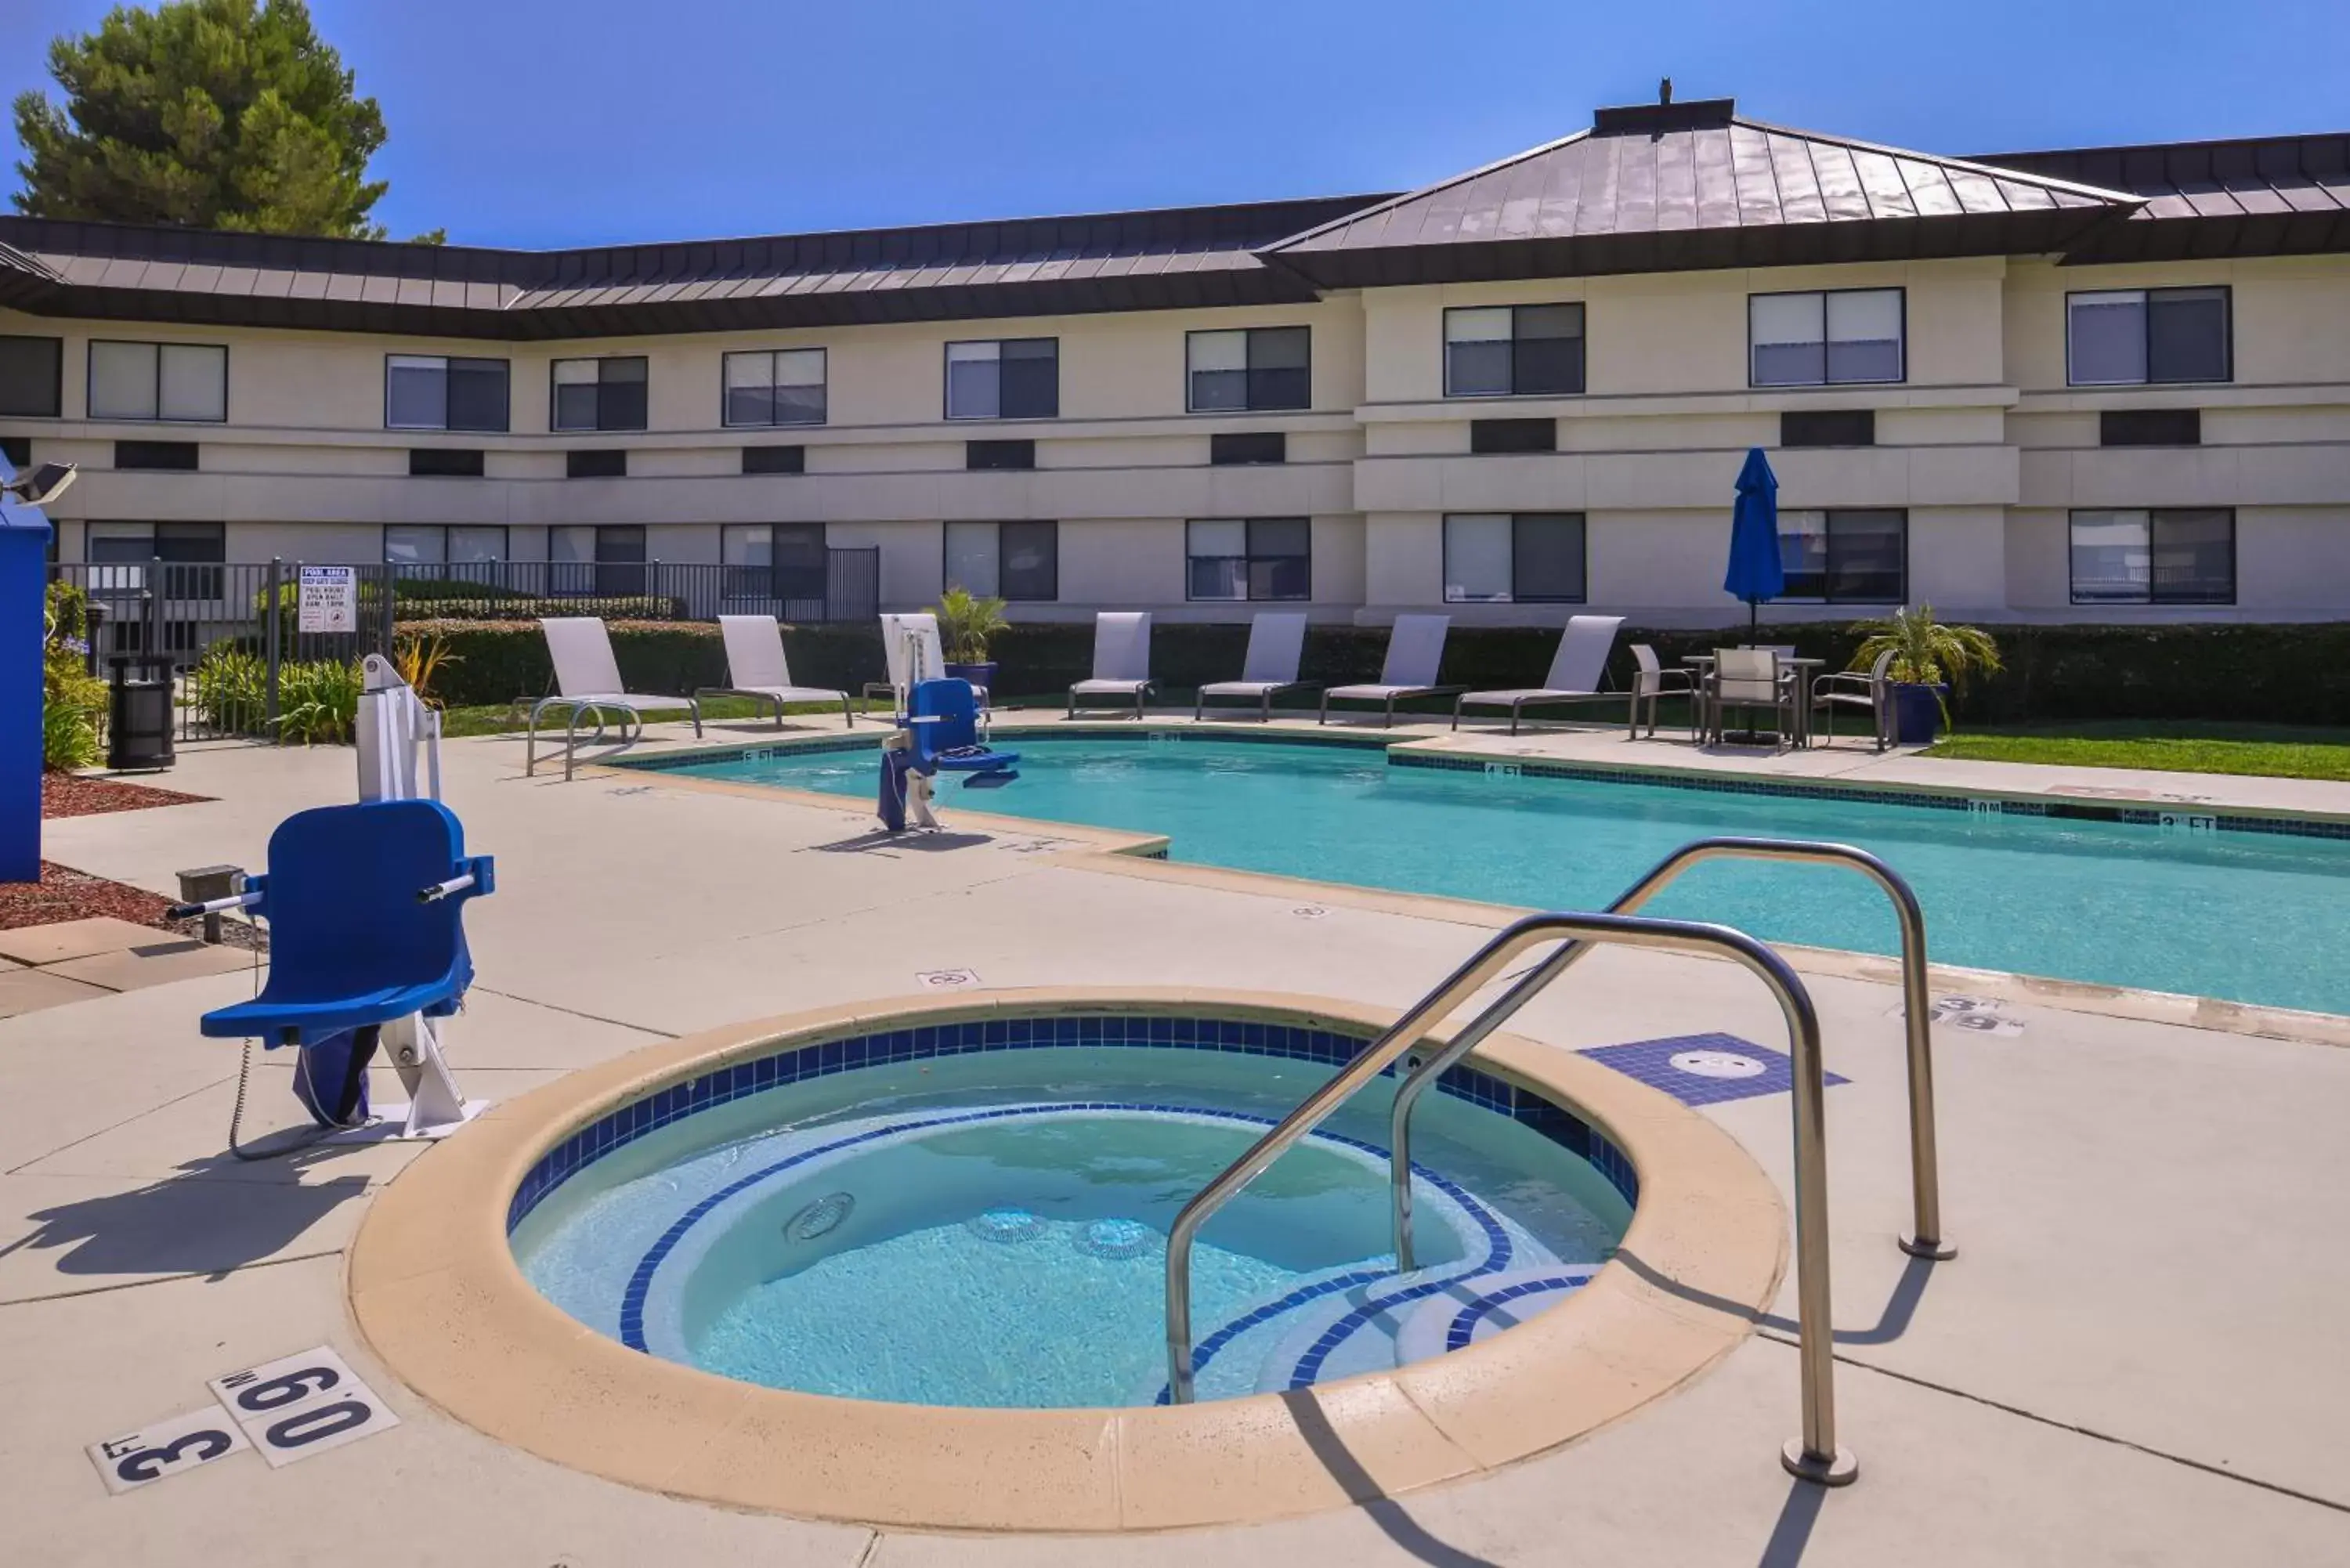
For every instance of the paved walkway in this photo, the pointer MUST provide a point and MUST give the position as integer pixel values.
(2138, 1356)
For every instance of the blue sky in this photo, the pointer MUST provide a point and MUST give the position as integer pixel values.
(551, 122)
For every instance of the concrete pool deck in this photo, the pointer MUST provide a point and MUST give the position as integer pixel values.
(2138, 1354)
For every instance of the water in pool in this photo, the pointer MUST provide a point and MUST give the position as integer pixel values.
(2249, 917)
(991, 1229)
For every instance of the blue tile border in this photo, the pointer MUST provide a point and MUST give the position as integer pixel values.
(1534, 767)
(1922, 800)
(619, 1127)
(1464, 1327)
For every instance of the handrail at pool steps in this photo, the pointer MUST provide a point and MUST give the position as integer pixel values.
(1925, 1238)
(1815, 1455)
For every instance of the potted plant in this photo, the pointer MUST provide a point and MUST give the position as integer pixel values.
(1928, 659)
(966, 622)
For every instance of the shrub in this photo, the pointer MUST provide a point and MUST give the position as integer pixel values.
(228, 689)
(317, 701)
(469, 603)
(2293, 674)
(73, 701)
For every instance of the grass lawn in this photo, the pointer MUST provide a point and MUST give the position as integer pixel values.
(2275, 751)
(498, 718)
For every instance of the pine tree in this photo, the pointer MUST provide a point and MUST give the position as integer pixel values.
(217, 114)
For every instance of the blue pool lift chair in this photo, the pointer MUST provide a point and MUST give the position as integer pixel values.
(366, 909)
(939, 733)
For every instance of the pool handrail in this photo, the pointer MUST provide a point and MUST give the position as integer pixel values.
(1925, 1238)
(1815, 1455)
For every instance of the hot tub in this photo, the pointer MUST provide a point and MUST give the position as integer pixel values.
(907, 1266)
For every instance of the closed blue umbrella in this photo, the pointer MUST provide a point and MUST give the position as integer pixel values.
(1755, 573)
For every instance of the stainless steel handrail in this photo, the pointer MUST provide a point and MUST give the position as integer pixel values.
(1926, 1239)
(1815, 1455)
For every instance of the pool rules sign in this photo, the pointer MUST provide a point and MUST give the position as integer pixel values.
(288, 1409)
(329, 599)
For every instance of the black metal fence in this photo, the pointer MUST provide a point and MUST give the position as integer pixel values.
(234, 636)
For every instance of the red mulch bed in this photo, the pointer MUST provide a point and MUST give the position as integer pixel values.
(66, 894)
(77, 794)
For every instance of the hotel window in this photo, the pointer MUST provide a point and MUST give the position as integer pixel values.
(1525, 557)
(1826, 338)
(436, 392)
(1245, 559)
(1017, 561)
(1006, 378)
(1528, 350)
(596, 558)
(2133, 336)
(190, 574)
(435, 545)
(2176, 557)
(159, 381)
(773, 560)
(782, 388)
(32, 377)
(599, 394)
(1251, 371)
(1845, 556)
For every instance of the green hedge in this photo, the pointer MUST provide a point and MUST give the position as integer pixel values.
(2297, 674)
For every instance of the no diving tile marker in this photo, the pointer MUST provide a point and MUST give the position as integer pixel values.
(947, 979)
(289, 1409)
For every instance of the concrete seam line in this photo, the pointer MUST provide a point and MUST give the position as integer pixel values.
(2062, 1425)
(173, 1279)
(75, 1143)
(575, 1012)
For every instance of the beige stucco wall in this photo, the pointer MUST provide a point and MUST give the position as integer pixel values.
(1982, 443)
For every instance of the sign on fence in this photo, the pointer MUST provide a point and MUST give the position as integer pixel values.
(329, 599)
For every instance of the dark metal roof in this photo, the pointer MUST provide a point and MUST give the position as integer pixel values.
(2272, 196)
(1113, 261)
(1676, 187)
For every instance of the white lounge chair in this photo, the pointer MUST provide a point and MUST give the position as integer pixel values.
(1576, 672)
(911, 652)
(756, 669)
(1415, 652)
(1121, 661)
(1276, 646)
(588, 681)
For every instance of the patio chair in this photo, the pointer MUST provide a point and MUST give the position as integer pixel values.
(588, 681)
(1121, 661)
(1852, 689)
(1576, 672)
(912, 653)
(1415, 652)
(1276, 645)
(1747, 678)
(756, 669)
(1652, 683)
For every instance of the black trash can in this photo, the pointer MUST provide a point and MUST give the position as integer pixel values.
(139, 713)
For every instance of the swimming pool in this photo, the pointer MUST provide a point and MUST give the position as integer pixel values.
(2246, 916)
(977, 1214)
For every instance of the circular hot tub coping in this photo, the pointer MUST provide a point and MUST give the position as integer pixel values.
(437, 1294)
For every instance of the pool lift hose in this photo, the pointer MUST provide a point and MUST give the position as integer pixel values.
(1925, 1238)
(1814, 1456)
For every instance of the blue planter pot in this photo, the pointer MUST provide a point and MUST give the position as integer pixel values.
(979, 675)
(1916, 712)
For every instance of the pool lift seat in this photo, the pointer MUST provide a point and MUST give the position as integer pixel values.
(366, 907)
(939, 733)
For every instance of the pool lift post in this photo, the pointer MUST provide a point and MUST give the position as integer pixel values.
(391, 726)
